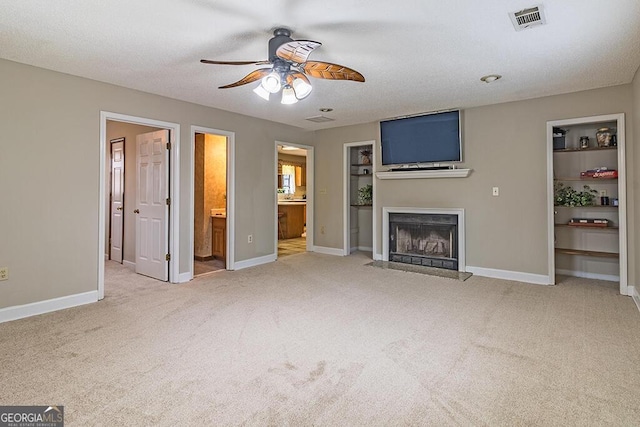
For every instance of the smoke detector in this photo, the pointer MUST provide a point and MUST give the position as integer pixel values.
(528, 18)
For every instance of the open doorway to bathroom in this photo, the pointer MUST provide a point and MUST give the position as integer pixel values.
(209, 203)
(294, 188)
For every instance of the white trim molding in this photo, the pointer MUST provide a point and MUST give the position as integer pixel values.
(184, 277)
(633, 292)
(253, 262)
(459, 212)
(421, 174)
(47, 306)
(329, 251)
(586, 275)
(536, 279)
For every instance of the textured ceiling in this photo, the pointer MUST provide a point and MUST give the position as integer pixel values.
(416, 55)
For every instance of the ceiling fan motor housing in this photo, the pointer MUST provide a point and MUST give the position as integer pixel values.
(280, 36)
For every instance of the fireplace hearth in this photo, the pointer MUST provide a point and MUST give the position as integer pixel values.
(425, 237)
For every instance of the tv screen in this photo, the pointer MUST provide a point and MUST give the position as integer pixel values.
(430, 138)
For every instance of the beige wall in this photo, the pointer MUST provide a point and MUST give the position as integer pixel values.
(505, 145)
(49, 177)
(128, 131)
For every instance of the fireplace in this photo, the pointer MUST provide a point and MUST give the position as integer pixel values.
(426, 237)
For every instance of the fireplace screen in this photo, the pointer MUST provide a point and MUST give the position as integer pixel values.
(424, 239)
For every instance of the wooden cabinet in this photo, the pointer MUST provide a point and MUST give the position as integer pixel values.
(293, 219)
(589, 238)
(219, 240)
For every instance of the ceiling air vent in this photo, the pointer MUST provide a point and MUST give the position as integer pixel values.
(528, 18)
(319, 119)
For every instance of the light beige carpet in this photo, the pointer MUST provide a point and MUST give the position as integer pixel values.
(327, 341)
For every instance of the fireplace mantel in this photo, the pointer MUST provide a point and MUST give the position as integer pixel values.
(413, 174)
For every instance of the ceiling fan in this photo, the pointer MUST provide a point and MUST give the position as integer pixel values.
(290, 69)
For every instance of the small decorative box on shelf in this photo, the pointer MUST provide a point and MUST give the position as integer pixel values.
(602, 173)
(588, 222)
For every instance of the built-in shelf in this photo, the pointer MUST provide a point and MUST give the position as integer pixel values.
(418, 174)
(579, 178)
(586, 207)
(590, 227)
(569, 150)
(597, 254)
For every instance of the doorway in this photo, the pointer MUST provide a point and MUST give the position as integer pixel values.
(294, 198)
(212, 200)
(109, 121)
(209, 203)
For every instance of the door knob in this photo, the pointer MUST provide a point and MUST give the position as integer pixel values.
(119, 208)
(136, 211)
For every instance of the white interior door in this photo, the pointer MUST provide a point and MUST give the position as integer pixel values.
(117, 200)
(152, 209)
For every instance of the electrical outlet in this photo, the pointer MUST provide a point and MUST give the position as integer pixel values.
(4, 273)
(250, 238)
(496, 191)
(322, 229)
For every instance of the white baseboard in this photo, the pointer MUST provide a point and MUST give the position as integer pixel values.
(377, 257)
(239, 265)
(537, 279)
(184, 277)
(106, 257)
(585, 275)
(328, 251)
(129, 264)
(41, 307)
(365, 248)
(633, 292)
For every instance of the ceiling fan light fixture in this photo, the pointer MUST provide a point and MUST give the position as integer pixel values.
(262, 92)
(288, 95)
(271, 82)
(301, 87)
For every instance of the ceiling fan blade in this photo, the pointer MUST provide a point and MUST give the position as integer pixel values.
(297, 51)
(326, 70)
(249, 78)
(208, 61)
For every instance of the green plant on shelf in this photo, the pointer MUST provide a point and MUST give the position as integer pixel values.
(365, 194)
(568, 196)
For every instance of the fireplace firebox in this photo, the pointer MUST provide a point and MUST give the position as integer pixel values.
(424, 239)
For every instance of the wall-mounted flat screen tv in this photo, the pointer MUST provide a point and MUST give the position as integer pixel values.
(429, 138)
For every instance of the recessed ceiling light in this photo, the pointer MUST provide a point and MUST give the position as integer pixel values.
(326, 110)
(490, 78)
